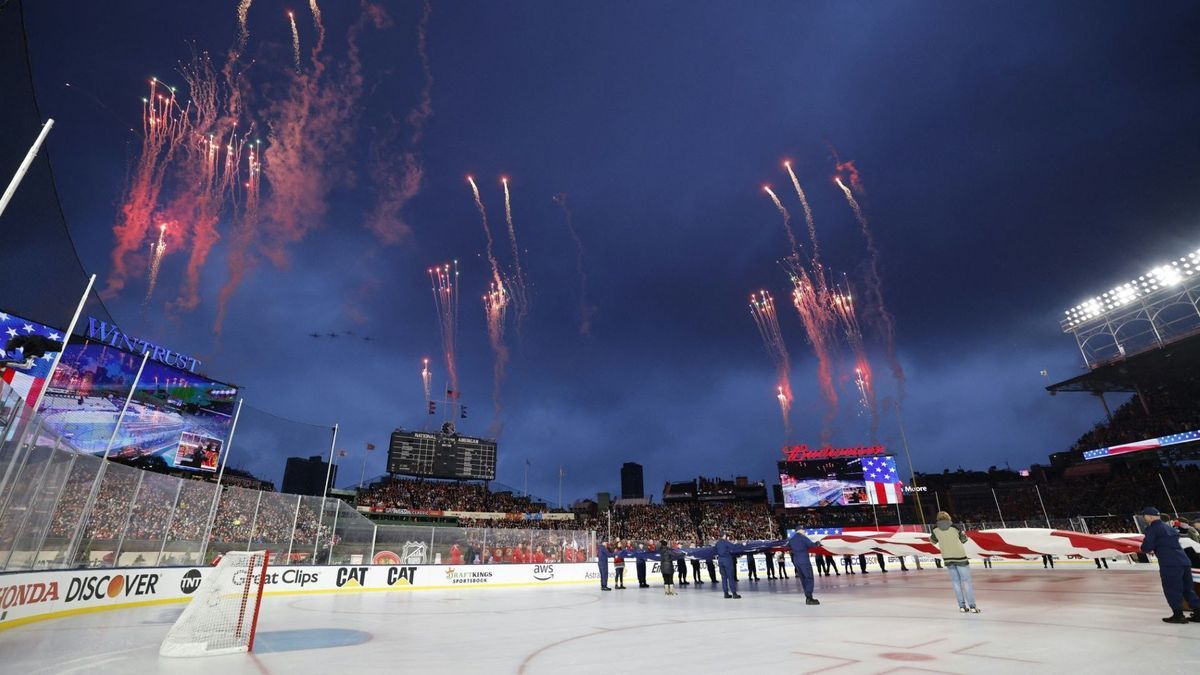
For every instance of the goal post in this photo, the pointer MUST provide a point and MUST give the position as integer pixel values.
(222, 618)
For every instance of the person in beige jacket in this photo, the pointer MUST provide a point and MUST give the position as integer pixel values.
(950, 540)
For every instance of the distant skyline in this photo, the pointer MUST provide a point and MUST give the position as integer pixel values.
(1014, 161)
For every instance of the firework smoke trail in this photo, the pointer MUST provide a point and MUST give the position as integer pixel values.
(762, 308)
(787, 218)
(317, 23)
(156, 256)
(814, 315)
(495, 305)
(517, 289)
(878, 315)
(162, 130)
(426, 378)
(243, 30)
(398, 174)
(847, 317)
(585, 310)
(445, 299)
(245, 225)
(808, 216)
(295, 41)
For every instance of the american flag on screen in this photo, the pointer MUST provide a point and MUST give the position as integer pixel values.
(29, 382)
(883, 483)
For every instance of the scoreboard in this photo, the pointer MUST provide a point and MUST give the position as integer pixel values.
(434, 455)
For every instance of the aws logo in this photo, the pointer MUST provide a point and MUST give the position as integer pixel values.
(401, 576)
(543, 572)
(351, 576)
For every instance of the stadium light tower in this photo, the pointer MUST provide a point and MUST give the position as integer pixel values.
(1157, 307)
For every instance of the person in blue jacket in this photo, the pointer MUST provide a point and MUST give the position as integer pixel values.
(725, 551)
(1174, 567)
(640, 559)
(800, 543)
(602, 561)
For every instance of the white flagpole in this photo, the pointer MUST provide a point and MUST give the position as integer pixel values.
(229, 442)
(362, 474)
(324, 496)
(21, 170)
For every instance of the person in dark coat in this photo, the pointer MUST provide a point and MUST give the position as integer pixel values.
(602, 562)
(1174, 567)
(800, 544)
(696, 572)
(712, 571)
(781, 564)
(770, 565)
(667, 567)
(848, 563)
(882, 566)
(751, 568)
(639, 557)
(831, 564)
(726, 550)
(681, 565)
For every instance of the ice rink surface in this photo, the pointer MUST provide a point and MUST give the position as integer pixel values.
(1071, 619)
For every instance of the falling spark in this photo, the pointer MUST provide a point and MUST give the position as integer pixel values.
(495, 304)
(808, 216)
(878, 314)
(845, 312)
(585, 310)
(426, 378)
(787, 218)
(444, 279)
(244, 31)
(295, 41)
(517, 289)
(812, 304)
(762, 308)
(156, 256)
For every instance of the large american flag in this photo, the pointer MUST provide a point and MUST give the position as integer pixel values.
(28, 383)
(882, 482)
(1148, 444)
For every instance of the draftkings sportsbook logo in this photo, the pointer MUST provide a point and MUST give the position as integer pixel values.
(543, 572)
(469, 577)
(190, 582)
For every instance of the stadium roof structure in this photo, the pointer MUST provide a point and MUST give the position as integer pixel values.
(1175, 360)
(1149, 312)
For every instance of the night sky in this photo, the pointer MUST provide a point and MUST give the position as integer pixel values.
(1017, 158)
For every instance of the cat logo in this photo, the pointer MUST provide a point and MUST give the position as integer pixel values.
(401, 576)
(351, 576)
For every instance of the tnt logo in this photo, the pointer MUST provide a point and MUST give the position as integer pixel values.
(353, 576)
(191, 581)
(401, 576)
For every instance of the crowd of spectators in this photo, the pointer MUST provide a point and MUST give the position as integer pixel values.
(427, 495)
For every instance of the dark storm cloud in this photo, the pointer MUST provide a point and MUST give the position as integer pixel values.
(1017, 157)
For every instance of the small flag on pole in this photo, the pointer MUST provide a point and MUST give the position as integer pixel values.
(341, 453)
(370, 447)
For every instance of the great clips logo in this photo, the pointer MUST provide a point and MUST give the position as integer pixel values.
(111, 586)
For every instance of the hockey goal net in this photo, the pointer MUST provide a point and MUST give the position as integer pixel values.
(223, 615)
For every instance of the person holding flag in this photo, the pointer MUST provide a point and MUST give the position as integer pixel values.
(725, 550)
(800, 544)
(602, 561)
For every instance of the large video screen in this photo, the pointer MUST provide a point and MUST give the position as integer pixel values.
(841, 482)
(181, 417)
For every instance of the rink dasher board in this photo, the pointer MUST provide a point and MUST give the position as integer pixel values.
(26, 597)
(35, 596)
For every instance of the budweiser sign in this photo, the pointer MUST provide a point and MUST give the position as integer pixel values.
(802, 453)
